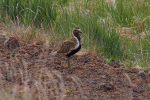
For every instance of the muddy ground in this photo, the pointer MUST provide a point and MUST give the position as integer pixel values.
(29, 71)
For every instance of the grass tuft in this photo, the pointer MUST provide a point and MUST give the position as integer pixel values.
(117, 29)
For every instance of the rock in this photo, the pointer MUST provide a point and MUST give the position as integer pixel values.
(49, 59)
(142, 74)
(94, 99)
(138, 90)
(11, 43)
(8, 78)
(106, 87)
(133, 85)
(93, 82)
(114, 63)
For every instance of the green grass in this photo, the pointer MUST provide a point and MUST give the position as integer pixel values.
(119, 30)
(35, 12)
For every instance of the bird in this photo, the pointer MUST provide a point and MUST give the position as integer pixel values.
(71, 46)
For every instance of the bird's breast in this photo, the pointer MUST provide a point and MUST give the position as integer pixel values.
(72, 52)
(77, 43)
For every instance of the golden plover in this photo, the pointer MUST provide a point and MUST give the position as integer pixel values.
(70, 46)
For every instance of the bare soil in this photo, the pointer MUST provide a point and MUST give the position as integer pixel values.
(29, 71)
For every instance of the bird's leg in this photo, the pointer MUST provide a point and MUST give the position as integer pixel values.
(70, 71)
(68, 63)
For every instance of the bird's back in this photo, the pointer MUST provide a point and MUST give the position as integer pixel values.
(72, 45)
(68, 45)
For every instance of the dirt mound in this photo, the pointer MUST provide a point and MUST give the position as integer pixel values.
(28, 71)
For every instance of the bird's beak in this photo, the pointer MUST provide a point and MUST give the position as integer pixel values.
(79, 30)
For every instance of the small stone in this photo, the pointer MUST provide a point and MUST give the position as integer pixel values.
(142, 74)
(138, 90)
(93, 82)
(99, 73)
(94, 99)
(49, 59)
(114, 63)
(135, 70)
(106, 87)
(11, 43)
(8, 78)
(133, 85)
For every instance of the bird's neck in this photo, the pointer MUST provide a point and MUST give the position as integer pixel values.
(77, 36)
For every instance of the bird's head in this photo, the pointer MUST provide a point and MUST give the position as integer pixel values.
(76, 30)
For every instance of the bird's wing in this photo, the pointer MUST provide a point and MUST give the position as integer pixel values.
(68, 45)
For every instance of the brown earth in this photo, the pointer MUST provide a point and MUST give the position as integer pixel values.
(29, 71)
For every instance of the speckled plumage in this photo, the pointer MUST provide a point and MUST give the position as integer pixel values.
(72, 45)
(68, 45)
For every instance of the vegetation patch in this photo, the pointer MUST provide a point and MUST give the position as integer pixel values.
(116, 30)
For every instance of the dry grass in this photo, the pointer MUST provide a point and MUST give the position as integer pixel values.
(40, 84)
(32, 82)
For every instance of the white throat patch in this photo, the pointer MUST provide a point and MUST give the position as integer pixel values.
(78, 43)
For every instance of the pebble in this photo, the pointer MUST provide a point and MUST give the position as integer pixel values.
(93, 82)
(106, 87)
(142, 74)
